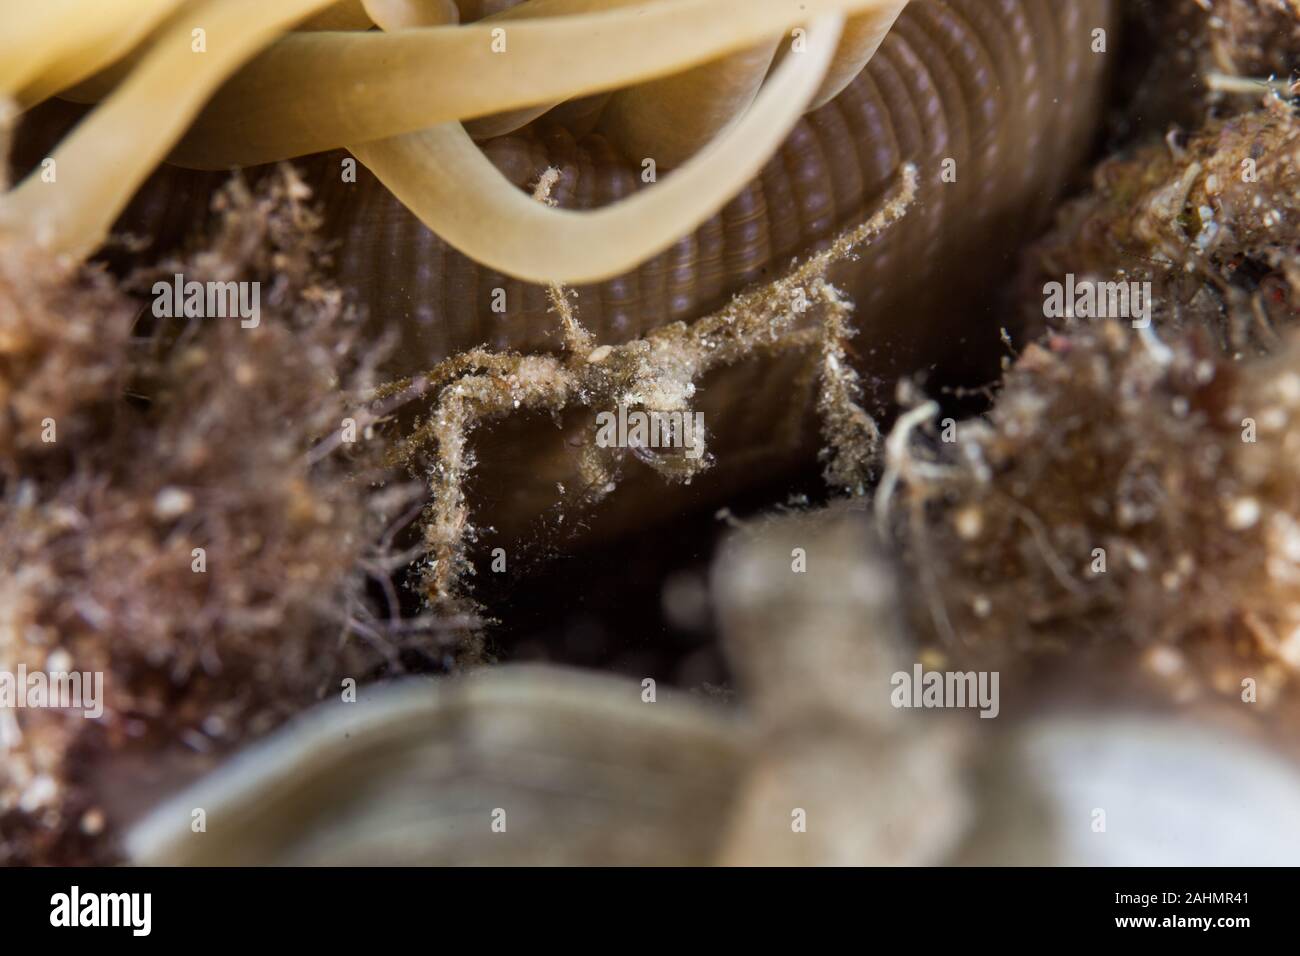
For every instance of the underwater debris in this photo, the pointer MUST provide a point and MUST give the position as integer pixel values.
(1124, 495)
(1213, 225)
(1254, 39)
(165, 523)
(1203, 59)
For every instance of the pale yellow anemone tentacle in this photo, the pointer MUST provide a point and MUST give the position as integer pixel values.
(349, 15)
(393, 15)
(862, 37)
(317, 91)
(342, 15)
(106, 158)
(407, 14)
(447, 181)
(48, 46)
(668, 120)
(502, 124)
(671, 118)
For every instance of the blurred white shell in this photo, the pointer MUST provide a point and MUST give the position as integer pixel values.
(1173, 793)
(522, 765)
(527, 765)
(588, 774)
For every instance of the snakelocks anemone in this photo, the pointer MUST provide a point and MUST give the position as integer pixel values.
(757, 212)
(701, 146)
